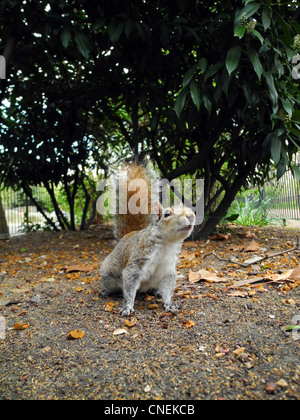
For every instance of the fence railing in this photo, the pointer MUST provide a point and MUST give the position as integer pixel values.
(285, 203)
(21, 213)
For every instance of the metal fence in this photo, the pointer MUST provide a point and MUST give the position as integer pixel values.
(285, 194)
(21, 214)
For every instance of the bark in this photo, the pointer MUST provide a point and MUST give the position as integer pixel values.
(4, 231)
(210, 225)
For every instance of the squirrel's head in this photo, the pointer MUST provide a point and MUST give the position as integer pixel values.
(176, 223)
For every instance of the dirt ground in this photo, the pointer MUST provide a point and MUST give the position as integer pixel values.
(225, 343)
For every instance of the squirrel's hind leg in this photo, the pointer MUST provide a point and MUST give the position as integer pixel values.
(111, 286)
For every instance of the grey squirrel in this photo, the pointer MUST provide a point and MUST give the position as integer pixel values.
(149, 246)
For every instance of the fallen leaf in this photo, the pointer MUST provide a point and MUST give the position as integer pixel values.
(239, 351)
(191, 244)
(253, 247)
(130, 323)
(189, 324)
(120, 331)
(75, 335)
(79, 289)
(203, 275)
(21, 326)
(153, 306)
(271, 388)
(296, 273)
(219, 237)
(109, 306)
(187, 255)
(279, 277)
(272, 278)
(289, 328)
(238, 294)
(79, 268)
(249, 235)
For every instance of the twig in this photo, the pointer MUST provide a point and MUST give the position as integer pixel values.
(226, 260)
(296, 248)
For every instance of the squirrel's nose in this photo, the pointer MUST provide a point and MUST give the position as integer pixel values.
(191, 217)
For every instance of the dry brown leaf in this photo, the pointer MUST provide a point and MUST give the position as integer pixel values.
(242, 283)
(79, 289)
(296, 273)
(130, 322)
(288, 275)
(239, 351)
(80, 268)
(253, 247)
(249, 235)
(279, 277)
(109, 306)
(238, 294)
(187, 255)
(219, 237)
(153, 306)
(75, 335)
(203, 275)
(189, 324)
(191, 244)
(21, 326)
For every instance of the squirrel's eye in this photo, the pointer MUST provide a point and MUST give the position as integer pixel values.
(167, 214)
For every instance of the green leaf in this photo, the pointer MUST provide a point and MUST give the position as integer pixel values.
(273, 90)
(189, 75)
(240, 31)
(250, 9)
(258, 35)
(180, 102)
(281, 168)
(66, 36)
(276, 146)
(287, 105)
(256, 62)
(291, 327)
(115, 31)
(232, 218)
(207, 103)
(213, 70)
(203, 64)
(287, 37)
(233, 59)
(266, 19)
(83, 44)
(195, 94)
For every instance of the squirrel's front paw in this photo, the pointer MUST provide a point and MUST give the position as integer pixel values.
(126, 311)
(171, 307)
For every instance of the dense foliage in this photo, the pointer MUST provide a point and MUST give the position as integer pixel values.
(205, 88)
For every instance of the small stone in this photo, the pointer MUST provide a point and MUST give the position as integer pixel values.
(147, 389)
(282, 384)
(36, 299)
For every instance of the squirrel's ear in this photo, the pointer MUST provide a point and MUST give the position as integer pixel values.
(158, 210)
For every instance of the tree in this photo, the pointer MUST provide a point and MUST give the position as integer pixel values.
(4, 231)
(203, 88)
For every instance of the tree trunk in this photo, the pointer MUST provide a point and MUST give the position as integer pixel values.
(4, 231)
(211, 224)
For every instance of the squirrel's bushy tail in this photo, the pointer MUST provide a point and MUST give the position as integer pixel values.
(135, 204)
